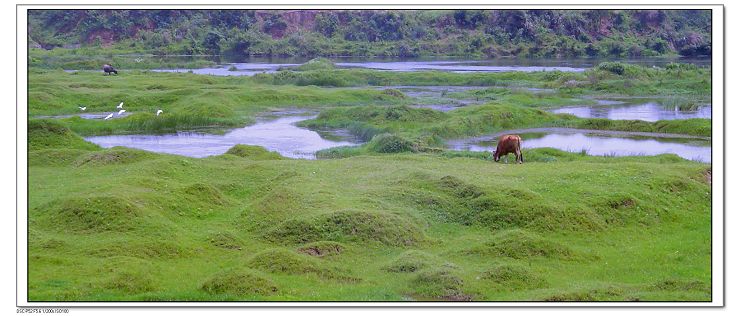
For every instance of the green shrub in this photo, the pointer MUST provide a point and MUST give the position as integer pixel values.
(389, 143)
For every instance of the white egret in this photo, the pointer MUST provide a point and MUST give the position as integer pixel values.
(159, 112)
(109, 116)
(121, 112)
(120, 106)
(82, 108)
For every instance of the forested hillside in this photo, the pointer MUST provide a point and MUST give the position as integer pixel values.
(404, 33)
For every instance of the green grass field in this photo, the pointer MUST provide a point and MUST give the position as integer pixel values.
(396, 220)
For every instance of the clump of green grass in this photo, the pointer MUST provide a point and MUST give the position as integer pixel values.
(439, 284)
(283, 261)
(239, 282)
(608, 293)
(115, 155)
(509, 276)
(680, 285)
(54, 157)
(275, 206)
(519, 244)
(203, 108)
(341, 152)
(618, 68)
(411, 261)
(694, 126)
(502, 211)
(253, 152)
(46, 134)
(95, 214)
(322, 248)
(225, 240)
(137, 248)
(233, 68)
(389, 143)
(349, 226)
(317, 64)
(619, 208)
(394, 93)
(451, 199)
(130, 276)
(458, 188)
(278, 260)
(205, 193)
(131, 282)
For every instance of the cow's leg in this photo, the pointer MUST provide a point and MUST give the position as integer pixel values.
(519, 157)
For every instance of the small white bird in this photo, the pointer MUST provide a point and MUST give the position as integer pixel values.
(109, 116)
(120, 106)
(159, 112)
(82, 108)
(121, 112)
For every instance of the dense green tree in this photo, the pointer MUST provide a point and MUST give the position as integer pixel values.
(534, 33)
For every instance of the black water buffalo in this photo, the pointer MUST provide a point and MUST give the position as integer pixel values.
(108, 69)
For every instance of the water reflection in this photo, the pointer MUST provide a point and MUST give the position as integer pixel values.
(280, 135)
(599, 145)
(650, 111)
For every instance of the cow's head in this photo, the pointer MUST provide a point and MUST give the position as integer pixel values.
(496, 158)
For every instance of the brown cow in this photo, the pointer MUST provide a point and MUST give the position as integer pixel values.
(509, 144)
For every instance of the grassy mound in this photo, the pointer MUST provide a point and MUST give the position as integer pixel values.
(351, 226)
(131, 282)
(130, 276)
(253, 152)
(137, 248)
(680, 285)
(322, 248)
(508, 276)
(411, 261)
(45, 134)
(394, 93)
(225, 240)
(439, 284)
(451, 199)
(93, 214)
(239, 282)
(203, 108)
(458, 188)
(317, 64)
(500, 210)
(283, 261)
(115, 155)
(608, 293)
(519, 244)
(277, 205)
(205, 193)
(389, 143)
(54, 157)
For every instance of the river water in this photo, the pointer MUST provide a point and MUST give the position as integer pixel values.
(280, 135)
(254, 65)
(650, 110)
(598, 143)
